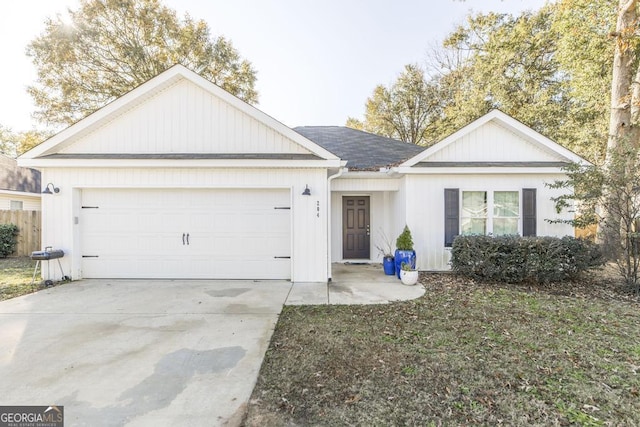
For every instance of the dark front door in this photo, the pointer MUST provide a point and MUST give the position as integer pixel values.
(355, 227)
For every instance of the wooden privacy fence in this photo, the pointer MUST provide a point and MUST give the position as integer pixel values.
(29, 223)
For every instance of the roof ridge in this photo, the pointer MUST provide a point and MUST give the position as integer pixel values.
(363, 150)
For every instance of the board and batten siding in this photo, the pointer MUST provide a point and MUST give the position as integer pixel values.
(308, 213)
(425, 213)
(184, 118)
(365, 184)
(493, 143)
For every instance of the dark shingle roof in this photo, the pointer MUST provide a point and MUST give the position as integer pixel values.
(362, 150)
(15, 178)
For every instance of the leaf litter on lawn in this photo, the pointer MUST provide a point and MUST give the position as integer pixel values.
(464, 353)
(16, 275)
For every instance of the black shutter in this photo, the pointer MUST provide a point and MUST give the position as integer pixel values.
(529, 212)
(451, 215)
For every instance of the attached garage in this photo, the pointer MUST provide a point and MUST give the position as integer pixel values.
(186, 233)
(179, 179)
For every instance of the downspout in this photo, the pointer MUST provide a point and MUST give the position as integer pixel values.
(392, 172)
(329, 211)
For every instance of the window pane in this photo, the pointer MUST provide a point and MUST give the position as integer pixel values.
(16, 205)
(502, 226)
(474, 226)
(474, 212)
(474, 204)
(506, 204)
(506, 212)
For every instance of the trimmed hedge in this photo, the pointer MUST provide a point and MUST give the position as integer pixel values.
(8, 239)
(515, 259)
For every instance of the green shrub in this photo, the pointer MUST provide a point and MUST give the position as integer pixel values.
(515, 259)
(404, 242)
(8, 239)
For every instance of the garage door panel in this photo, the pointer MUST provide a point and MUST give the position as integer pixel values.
(228, 268)
(269, 245)
(114, 266)
(232, 233)
(129, 241)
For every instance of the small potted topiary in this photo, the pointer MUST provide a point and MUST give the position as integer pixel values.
(408, 275)
(404, 250)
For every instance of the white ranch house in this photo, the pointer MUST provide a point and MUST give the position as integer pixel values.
(180, 179)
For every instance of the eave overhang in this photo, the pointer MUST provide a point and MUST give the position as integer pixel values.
(20, 193)
(66, 162)
(471, 170)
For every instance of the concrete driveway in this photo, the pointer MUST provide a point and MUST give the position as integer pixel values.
(140, 353)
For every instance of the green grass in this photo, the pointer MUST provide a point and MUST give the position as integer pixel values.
(463, 354)
(15, 277)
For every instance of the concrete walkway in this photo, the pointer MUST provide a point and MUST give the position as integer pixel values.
(354, 284)
(158, 352)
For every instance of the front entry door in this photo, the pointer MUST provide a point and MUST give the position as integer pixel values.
(355, 227)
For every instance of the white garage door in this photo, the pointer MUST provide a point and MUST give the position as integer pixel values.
(186, 233)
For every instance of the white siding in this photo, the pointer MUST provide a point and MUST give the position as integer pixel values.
(29, 203)
(184, 118)
(365, 184)
(425, 209)
(308, 213)
(493, 143)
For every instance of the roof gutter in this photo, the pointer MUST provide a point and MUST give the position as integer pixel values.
(382, 173)
(391, 172)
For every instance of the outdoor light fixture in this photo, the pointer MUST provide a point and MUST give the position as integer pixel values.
(47, 190)
(307, 191)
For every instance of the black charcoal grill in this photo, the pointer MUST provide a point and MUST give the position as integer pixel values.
(47, 255)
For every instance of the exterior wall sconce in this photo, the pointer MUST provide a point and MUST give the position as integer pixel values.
(50, 187)
(307, 191)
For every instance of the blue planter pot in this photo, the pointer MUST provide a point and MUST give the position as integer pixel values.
(408, 257)
(389, 266)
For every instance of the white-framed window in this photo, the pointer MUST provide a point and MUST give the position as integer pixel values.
(490, 212)
(15, 205)
(474, 215)
(506, 212)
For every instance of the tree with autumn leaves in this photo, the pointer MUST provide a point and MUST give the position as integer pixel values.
(111, 46)
(105, 48)
(550, 69)
(607, 194)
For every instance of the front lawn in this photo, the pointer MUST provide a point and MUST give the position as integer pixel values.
(463, 354)
(15, 277)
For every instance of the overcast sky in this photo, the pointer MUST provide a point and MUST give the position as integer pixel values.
(317, 61)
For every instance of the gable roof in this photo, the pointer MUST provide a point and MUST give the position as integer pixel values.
(15, 178)
(156, 86)
(362, 150)
(549, 153)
